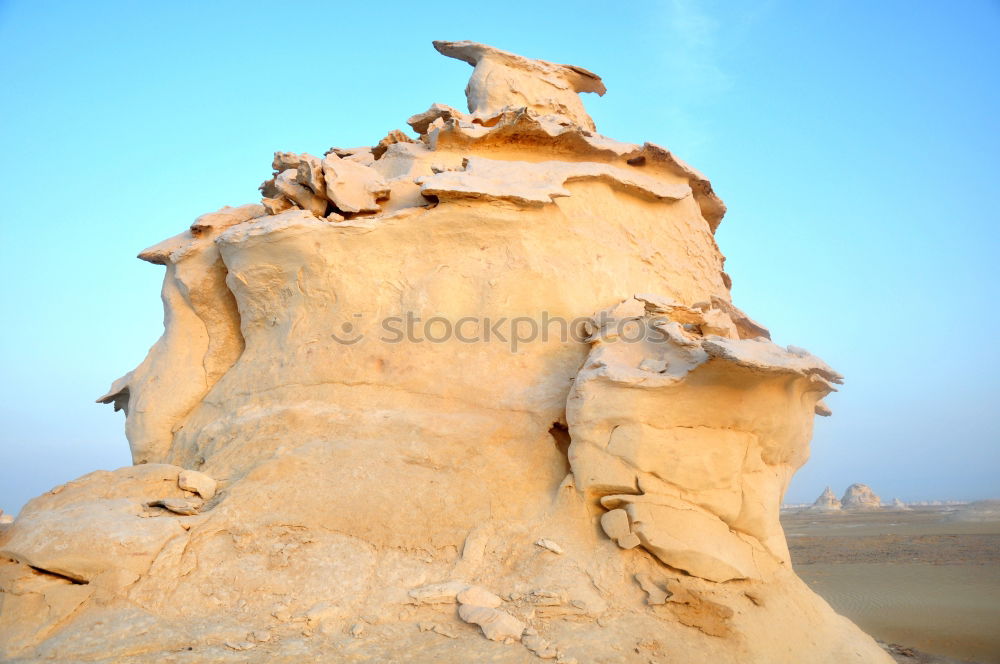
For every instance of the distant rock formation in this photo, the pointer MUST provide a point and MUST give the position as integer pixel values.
(897, 505)
(860, 497)
(827, 502)
(316, 482)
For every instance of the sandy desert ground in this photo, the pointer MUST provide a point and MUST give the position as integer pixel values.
(928, 578)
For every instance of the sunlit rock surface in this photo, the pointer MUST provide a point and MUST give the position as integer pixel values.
(476, 395)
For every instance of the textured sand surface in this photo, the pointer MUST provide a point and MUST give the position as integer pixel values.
(926, 578)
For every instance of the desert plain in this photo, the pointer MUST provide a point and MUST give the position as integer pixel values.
(927, 577)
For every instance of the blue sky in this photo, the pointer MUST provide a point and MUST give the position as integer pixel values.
(856, 144)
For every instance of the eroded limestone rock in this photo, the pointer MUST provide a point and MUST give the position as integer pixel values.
(827, 502)
(201, 338)
(860, 497)
(505, 80)
(351, 186)
(373, 486)
(93, 525)
(539, 183)
(200, 483)
(700, 483)
(497, 625)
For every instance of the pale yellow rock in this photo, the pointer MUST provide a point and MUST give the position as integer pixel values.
(287, 183)
(353, 187)
(201, 338)
(501, 80)
(550, 545)
(479, 596)
(635, 428)
(691, 540)
(654, 593)
(422, 121)
(371, 482)
(362, 155)
(539, 646)
(309, 173)
(615, 523)
(285, 160)
(276, 205)
(539, 183)
(394, 137)
(200, 483)
(438, 593)
(94, 525)
(182, 506)
(497, 625)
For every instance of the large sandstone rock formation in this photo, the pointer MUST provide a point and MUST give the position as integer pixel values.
(479, 395)
(860, 497)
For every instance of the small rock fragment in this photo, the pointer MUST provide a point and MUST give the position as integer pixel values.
(653, 365)
(394, 136)
(479, 596)
(438, 593)
(550, 545)
(310, 174)
(268, 190)
(182, 506)
(200, 483)
(362, 155)
(357, 630)
(421, 121)
(536, 644)
(496, 625)
(719, 323)
(615, 524)
(287, 183)
(352, 187)
(285, 160)
(655, 594)
(276, 205)
(630, 541)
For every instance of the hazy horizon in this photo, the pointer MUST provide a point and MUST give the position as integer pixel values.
(855, 146)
